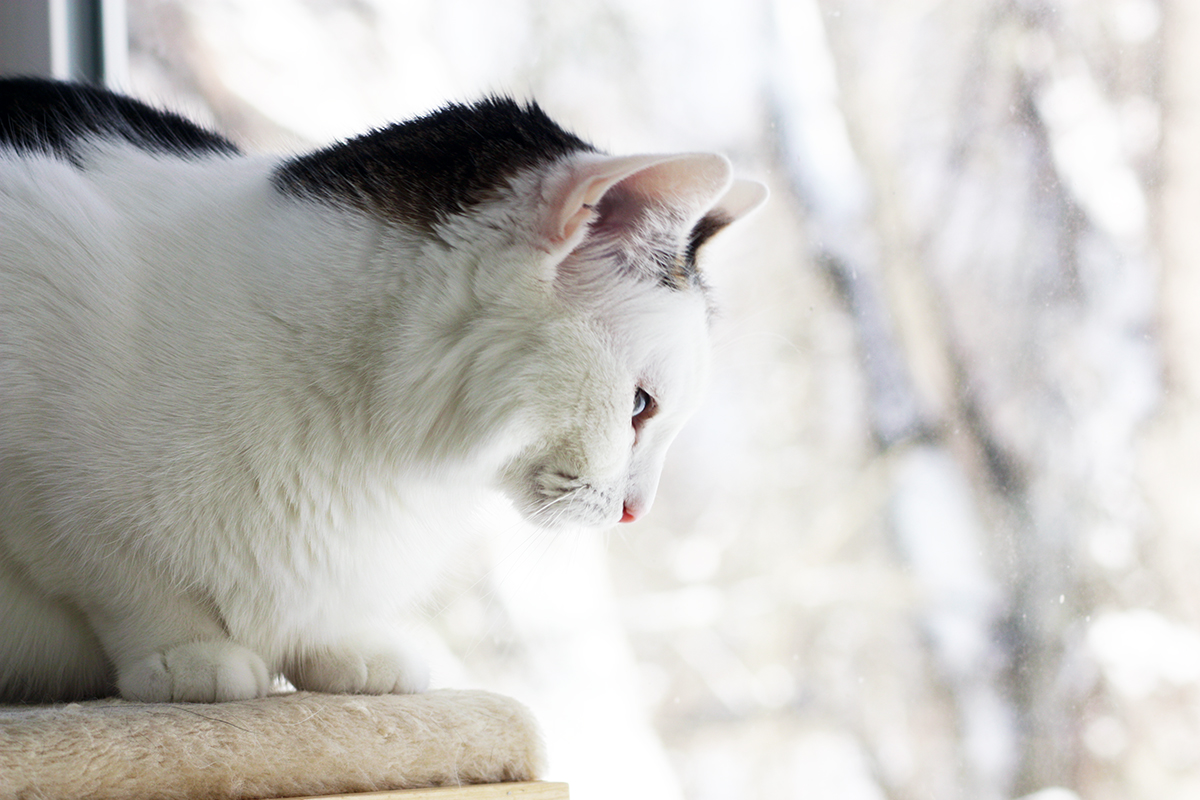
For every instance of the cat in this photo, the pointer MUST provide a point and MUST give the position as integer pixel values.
(249, 404)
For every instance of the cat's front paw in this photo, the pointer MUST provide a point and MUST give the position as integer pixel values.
(196, 672)
(361, 668)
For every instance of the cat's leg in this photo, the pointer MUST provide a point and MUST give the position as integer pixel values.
(48, 651)
(172, 647)
(364, 663)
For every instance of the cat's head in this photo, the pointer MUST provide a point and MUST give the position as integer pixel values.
(566, 316)
(622, 355)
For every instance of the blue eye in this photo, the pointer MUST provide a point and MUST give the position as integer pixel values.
(644, 406)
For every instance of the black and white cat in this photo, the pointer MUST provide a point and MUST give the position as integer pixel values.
(248, 404)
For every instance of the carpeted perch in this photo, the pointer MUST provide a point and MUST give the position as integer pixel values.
(281, 746)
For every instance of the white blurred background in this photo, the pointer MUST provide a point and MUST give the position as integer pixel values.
(936, 533)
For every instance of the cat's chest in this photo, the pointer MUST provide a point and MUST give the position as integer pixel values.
(363, 546)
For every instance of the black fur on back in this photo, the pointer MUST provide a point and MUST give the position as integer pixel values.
(440, 164)
(41, 116)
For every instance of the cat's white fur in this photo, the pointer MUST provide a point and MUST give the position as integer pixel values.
(239, 432)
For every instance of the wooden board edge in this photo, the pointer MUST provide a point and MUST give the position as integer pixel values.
(528, 790)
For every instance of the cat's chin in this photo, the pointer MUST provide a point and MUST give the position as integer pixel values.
(553, 500)
(572, 512)
(567, 516)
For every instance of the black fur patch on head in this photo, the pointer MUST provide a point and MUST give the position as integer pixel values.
(49, 117)
(675, 270)
(680, 270)
(709, 225)
(424, 170)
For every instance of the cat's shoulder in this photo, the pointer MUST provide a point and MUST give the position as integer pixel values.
(54, 118)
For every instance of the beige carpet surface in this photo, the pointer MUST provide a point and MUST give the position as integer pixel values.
(281, 746)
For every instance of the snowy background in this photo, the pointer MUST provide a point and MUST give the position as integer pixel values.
(936, 533)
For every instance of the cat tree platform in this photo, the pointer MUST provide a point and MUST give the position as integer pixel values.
(442, 745)
(533, 790)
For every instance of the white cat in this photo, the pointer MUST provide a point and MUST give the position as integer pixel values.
(248, 404)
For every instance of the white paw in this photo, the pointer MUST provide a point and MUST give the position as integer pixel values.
(367, 667)
(197, 672)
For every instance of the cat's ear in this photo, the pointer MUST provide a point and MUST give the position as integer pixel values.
(689, 183)
(742, 197)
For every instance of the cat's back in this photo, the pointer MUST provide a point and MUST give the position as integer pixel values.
(68, 150)
(83, 172)
(51, 118)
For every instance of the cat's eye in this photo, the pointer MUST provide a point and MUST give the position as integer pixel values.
(643, 406)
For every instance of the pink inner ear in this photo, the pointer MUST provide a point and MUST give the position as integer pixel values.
(742, 197)
(689, 182)
(573, 201)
